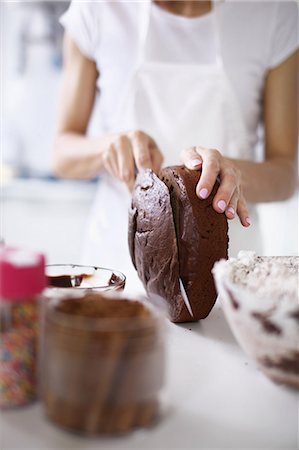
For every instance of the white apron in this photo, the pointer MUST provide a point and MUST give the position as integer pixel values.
(179, 105)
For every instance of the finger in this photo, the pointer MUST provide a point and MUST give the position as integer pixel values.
(157, 159)
(231, 209)
(191, 159)
(141, 150)
(242, 212)
(211, 160)
(125, 161)
(229, 183)
(130, 185)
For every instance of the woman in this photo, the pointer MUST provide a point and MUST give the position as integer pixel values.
(187, 80)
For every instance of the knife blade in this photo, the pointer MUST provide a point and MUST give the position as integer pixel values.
(185, 297)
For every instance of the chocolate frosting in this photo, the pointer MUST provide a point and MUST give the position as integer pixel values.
(173, 234)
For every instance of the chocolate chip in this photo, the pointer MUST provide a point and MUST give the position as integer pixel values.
(266, 323)
(234, 302)
(295, 315)
(287, 364)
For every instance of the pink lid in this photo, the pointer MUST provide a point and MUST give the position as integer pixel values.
(22, 274)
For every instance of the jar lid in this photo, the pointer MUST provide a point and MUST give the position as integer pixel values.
(22, 273)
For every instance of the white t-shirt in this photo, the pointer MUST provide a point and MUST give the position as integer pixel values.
(254, 37)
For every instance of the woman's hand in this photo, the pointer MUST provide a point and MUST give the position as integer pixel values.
(229, 198)
(124, 152)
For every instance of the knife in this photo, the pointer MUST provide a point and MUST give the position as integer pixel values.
(185, 297)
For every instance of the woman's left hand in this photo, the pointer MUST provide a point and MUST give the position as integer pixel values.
(229, 198)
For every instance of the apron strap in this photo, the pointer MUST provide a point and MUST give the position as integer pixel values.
(217, 28)
(143, 27)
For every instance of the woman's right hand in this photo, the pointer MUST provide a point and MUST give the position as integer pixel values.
(126, 152)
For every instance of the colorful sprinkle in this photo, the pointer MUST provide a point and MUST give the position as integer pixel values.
(18, 341)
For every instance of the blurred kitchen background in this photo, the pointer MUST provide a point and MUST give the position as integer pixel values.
(37, 210)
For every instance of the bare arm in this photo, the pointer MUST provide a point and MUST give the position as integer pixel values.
(275, 178)
(272, 180)
(78, 156)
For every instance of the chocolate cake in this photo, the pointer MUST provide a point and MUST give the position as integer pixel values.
(174, 235)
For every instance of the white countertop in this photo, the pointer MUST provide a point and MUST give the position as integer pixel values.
(215, 397)
(48, 189)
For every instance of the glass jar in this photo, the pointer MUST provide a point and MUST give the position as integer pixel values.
(103, 363)
(22, 276)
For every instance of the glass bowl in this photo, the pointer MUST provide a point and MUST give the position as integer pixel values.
(64, 277)
(259, 296)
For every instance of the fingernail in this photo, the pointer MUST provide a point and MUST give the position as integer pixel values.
(195, 162)
(203, 193)
(231, 210)
(248, 221)
(221, 205)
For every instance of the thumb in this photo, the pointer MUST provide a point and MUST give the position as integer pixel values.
(191, 158)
